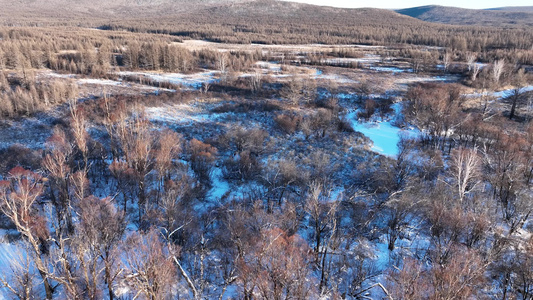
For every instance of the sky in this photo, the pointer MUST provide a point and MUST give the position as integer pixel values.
(413, 3)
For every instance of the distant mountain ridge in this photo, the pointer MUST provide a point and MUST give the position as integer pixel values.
(130, 9)
(513, 8)
(499, 17)
(87, 10)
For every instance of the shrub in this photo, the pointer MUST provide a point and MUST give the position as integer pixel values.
(202, 156)
(243, 166)
(288, 123)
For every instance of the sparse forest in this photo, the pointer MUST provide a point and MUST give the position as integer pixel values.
(316, 155)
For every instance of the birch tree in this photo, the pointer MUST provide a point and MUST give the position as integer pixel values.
(18, 201)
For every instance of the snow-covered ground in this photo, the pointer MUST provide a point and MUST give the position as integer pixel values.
(368, 59)
(336, 78)
(180, 114)
(102, 82)
(30, 132)
(194, 80)
(13, 259)
(220, 185)
(9, 253)
(99, 81)
(414, 79)
(268, 65)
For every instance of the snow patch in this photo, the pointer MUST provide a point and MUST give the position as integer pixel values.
(272, 66)
(220, 186)
(409, 80)
(99, 81)
(189, 80)
(180, 114)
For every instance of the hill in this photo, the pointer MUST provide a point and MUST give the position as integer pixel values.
(88, 12)
(280, 22)
(263, 21)
(514, 8)
(268, 22)
(499, 17)
(142, 9)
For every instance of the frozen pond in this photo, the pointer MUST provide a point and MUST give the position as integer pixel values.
(384, 135)
(501, 94)
(393, 70)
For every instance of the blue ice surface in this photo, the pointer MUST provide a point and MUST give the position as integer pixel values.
(507, 93)
(394, 70)
(384, 135)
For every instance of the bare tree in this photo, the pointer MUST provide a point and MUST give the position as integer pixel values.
(67, 268)
(293, 90)
(322, 212)
(497, 70)
(100, 230)
(202, 156)
(149, 269)
(281, 176)
(170, 146)
(205, 87)
(476, 68)
(79, 130)
(523, 268)
(409, 281)
(4, 84)
(18, 196)
(365, 88)
(20, 284)
(222, 63)
(114, 122)
(399, 211)
(512, 267)
(446, 60)
(256, 81)
(516, 94)
(138, 145)
(462, 277)
(57, 164)
(465, 168)
(279, 267)
(505, 164)
(471, 60)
